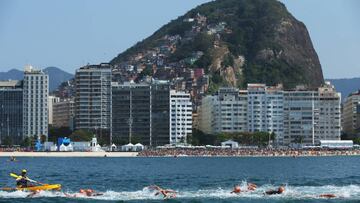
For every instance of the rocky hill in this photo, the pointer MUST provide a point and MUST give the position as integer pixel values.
(235, 42)
(56, 77)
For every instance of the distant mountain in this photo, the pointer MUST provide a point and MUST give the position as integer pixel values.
(56, 76)
(346, 85)
(12, 74)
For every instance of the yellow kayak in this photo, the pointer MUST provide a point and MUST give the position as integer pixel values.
(41, 187)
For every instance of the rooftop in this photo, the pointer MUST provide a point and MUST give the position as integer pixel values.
(10, 84)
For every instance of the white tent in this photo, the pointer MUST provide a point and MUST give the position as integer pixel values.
(139, 147)
(230, 143)
(128, 147)
(113, 147)
(97, 148)
(64, 148)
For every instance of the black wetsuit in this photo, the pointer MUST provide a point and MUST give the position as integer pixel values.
(22, 182)
(273, 192)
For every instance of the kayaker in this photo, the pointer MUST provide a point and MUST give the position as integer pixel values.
(280, 190)
(23, 181)
(167, 193)
(236, 189)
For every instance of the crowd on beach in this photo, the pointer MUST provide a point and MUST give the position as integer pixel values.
(14, 149)
(246, 152)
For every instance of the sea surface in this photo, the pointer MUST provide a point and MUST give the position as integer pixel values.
(195, 179)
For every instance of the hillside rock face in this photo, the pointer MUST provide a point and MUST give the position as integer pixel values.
(235, 41)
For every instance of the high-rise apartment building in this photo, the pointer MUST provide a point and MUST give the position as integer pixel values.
(93, 97)
(51, 101)
(64, 113)
(35, 102)
(11, 112)
(294, 116)
(351, 114)
(226, 111)
(300, 116)
(265, 109)
(140, 113)
(180, 116)
(311, 115)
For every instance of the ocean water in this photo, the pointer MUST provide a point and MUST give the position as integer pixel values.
(195, 179)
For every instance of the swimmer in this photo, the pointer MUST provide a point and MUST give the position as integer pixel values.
(251, 186)
(33, 193)
(85, 192)
(327, 196)
(236, 189)
(280, 190)
(167, 193)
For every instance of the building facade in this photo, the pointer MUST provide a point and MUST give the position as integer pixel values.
(311, 116)
(180, 116)
(265, 109)
(299, 117)
(93, 97)
(64, 113)
(226, 111)
(51, 101)
(11, 112)
(351, 114)
(35, 102)
(140, 113)
(294, 116)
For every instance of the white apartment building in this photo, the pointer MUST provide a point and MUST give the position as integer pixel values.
(329, 107)
(300, 116)
(265, 109)
(295, 116)
(224, 112)
(180, 116)
(351, 114)
(35, 102)
(311, 116)
(51, 101)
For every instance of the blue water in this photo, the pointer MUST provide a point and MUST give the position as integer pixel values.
(195, 179)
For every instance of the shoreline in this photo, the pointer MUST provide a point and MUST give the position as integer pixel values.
(136, 154)
(249, 156)
(68, 154)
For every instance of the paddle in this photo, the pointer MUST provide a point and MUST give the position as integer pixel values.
(34, 181)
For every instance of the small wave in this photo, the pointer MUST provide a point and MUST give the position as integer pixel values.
(349, 192)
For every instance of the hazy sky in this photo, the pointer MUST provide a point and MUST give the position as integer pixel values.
(71, 33)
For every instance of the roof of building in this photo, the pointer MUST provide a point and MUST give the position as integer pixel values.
(9, 84)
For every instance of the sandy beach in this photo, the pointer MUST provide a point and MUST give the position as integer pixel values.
(68, 154)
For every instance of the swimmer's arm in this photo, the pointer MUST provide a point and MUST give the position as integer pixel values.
(170, 191)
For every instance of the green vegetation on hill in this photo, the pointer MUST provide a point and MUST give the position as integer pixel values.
(275, 46)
